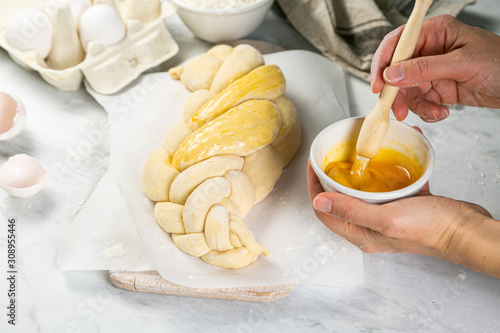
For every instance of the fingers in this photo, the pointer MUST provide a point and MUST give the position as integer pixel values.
(313, 185)
(399, 107)
(352, 210)
(415, 75)
(414, 71)
(423, 69)
(365, 239)
(362, 237)
(372, 228)
(425, 102)
(382, 58)
(436, 56)
(343, 214)
(368, 226)
(322, 201)
(418, 129)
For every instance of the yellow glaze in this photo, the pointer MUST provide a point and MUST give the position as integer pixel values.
(390, 170)
(265, 82)
(242, 130)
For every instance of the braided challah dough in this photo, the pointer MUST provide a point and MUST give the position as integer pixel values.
(238, 133)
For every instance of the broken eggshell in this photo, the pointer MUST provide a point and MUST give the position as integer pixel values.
(12, 116)
(22, 176)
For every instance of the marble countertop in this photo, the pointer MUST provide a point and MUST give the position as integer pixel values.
(68, 133)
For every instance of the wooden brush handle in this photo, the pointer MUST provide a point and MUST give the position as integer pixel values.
(376, 123)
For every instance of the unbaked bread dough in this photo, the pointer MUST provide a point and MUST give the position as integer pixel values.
(264, 167)
(175, 136)
(242, 191)
(264, 83)
(288, 141)
(242, 60)
(199, 72)
(157, 175)
(217, 228)
(247, 239)
(238, 132)
(221, 51)
(242, 130)
(194, 102)
(169, 217)
(193, 243)
(209, 193)
(236, 258)
(193, 176)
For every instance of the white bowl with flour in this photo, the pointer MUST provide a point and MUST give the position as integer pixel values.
(215, 21)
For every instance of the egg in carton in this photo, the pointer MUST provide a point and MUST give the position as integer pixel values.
(107, 68)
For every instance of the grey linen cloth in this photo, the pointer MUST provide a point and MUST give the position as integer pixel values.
(349, 31)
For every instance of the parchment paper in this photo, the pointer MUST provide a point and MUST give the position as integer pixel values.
(303, 250)
(103, 235)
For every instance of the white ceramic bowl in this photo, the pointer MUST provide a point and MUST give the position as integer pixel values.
(400, 136)
(213, 25)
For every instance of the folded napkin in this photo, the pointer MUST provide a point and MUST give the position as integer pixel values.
(349, 31)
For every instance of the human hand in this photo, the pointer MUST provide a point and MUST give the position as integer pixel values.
(452, 63)
(452, 230)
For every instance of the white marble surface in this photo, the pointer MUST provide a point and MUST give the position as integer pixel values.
(68, 133)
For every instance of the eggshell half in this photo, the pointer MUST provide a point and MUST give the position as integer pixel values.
(12, 116)
(8, 110)
(22, 176)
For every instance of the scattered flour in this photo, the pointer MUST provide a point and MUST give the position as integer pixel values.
(497, 178)
(217, 4)
(114, 249)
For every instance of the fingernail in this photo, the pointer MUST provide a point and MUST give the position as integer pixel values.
(323, 205)
(428, 114)
(444, 113)
(394, 74)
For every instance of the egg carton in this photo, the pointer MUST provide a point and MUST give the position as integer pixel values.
(107, 69)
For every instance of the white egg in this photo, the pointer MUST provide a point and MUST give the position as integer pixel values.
(77, 7)
(12, 116)
(22, 176)
(101, 23)
(30, 29)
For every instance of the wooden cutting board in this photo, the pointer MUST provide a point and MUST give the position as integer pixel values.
(152, 282)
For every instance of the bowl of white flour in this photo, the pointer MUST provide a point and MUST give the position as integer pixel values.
(215, 21)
